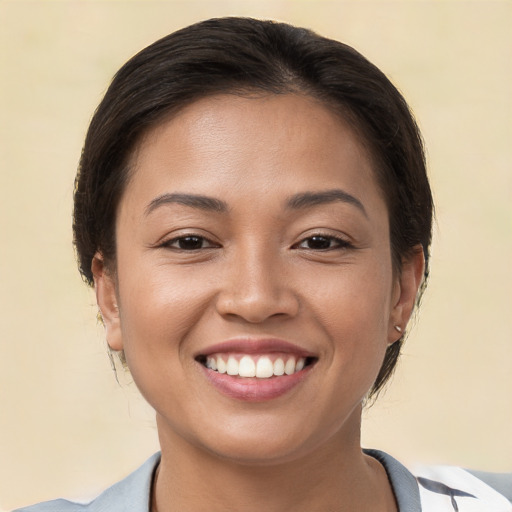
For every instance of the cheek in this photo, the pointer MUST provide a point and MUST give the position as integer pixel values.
(158, 307)
(156, 313)
(356, 297)
(353, 309)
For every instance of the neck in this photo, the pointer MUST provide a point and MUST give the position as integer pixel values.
(335, 477)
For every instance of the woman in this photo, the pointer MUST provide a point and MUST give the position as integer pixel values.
(253, 211)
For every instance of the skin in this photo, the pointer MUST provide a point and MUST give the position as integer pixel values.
(256, 273)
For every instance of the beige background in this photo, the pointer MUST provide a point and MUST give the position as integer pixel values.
(66, 427)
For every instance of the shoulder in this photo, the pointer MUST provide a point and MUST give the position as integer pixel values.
(55, 506)
(132, 493)
(446, 488)
(463, 489)
(502, 482)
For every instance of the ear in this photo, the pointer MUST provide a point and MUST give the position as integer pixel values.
(106, 298)
(405, 290)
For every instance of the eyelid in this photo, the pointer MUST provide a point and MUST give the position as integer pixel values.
(340, 241)
(168, 242)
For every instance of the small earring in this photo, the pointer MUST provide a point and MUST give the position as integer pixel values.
(398, 328)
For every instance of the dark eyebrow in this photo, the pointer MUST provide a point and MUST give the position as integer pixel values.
(309, 199)
(200, 202)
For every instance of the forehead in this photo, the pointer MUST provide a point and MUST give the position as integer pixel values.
(257, 145)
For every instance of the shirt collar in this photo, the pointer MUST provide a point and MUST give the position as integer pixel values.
(134, 492)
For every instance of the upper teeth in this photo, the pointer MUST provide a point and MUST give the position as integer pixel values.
(261, 367)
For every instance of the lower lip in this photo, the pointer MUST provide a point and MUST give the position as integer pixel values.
(253, 389)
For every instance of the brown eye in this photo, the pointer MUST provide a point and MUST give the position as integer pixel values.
(318, 242)
(189, 243)
(323, 243)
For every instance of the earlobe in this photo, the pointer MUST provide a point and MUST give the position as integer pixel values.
(405, 293)
(106, 298)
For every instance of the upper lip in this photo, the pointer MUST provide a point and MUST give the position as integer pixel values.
(255, 346)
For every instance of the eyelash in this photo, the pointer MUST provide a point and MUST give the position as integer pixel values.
(169, 243)
(338, 243)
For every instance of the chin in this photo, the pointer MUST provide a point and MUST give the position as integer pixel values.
(270, 441)
(258, 452)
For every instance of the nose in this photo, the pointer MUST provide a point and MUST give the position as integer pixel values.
(257, 287)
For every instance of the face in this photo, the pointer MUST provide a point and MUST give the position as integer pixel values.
(254, 294)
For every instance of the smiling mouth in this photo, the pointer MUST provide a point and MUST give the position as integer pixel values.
(264, 366)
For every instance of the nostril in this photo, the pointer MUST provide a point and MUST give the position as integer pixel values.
(257, 308)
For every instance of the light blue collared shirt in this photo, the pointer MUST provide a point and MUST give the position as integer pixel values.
(133, 494)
